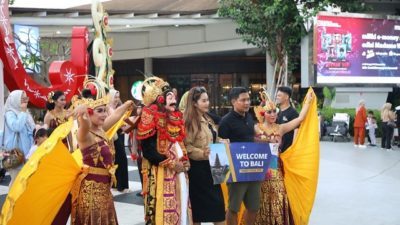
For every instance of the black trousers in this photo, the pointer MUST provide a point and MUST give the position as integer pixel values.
(387, 135)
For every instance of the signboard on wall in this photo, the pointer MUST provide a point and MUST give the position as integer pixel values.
(351, 49)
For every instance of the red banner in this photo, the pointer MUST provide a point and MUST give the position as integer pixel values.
(66, 76)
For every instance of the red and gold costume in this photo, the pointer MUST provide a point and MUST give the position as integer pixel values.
(92, 201)
(56, 121)
(161, 133)
(275, 209)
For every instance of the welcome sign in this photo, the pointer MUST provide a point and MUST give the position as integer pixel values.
(242, 162)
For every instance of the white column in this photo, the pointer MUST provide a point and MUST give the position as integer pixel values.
(148, 66)
(270, 74)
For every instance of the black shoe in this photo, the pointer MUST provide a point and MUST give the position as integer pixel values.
(139, 194)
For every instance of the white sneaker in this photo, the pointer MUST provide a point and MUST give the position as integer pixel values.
(355, 146)
(362, 146)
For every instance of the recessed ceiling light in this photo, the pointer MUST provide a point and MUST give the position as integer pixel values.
(58, 32)
(128, 26)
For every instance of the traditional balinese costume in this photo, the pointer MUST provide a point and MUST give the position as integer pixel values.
(166, 194)
(288, 195)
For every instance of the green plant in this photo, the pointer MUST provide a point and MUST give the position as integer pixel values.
(328, 112)
(277, 26)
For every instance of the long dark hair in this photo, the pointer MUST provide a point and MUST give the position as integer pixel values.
(191, 115)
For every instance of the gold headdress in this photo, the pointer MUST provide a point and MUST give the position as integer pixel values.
(98, 91)
(266, 104)
(152, 88)
(50, 97)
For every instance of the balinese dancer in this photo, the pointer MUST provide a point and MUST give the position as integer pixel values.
(275, 209)
(165, 163)
(92, 201)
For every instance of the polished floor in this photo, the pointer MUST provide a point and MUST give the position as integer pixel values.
(356, 187)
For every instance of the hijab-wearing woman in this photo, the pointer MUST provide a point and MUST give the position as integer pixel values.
(119, 143)
(206, 198)
(19, 126)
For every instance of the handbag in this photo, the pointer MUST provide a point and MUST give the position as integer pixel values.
(15, 157)
(392, 124)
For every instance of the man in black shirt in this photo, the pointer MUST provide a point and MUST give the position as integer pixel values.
(238, 126)
(286, 114)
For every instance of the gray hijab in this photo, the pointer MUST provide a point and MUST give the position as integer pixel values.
(13, 104)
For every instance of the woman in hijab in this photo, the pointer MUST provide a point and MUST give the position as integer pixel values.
(19, 126)
(119, 140)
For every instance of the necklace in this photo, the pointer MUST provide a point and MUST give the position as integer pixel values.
(59, 117)
(100, 133)
(269, 133)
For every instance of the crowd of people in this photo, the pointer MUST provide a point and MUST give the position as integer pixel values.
(365, 124)
(172, 149)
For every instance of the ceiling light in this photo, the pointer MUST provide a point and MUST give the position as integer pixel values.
(58, 32)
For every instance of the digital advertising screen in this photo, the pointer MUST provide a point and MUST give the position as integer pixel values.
(355, 50)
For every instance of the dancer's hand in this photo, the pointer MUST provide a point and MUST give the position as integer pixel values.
(186, 165)
(129, 104)
(81, 111)
(179, 167)
(309, 98)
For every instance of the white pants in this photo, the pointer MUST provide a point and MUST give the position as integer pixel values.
(371, 134)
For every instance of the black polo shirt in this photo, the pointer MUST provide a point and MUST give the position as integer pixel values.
(237, 128)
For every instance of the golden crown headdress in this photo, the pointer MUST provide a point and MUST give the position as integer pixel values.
(267, 104)
(153, 87)
(50, 97)
(98, 91)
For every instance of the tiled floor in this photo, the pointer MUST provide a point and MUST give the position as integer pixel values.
(356, 187)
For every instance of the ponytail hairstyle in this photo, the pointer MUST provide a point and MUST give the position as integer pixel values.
(191, 115)
(52, 98)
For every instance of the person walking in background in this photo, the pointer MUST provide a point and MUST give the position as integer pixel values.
(19, 126)
(360, 120)
(371, 127)
(398, 123)
(286, 114)
(238, 126)
(388, 117)
(120, 155)
(206, 198)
